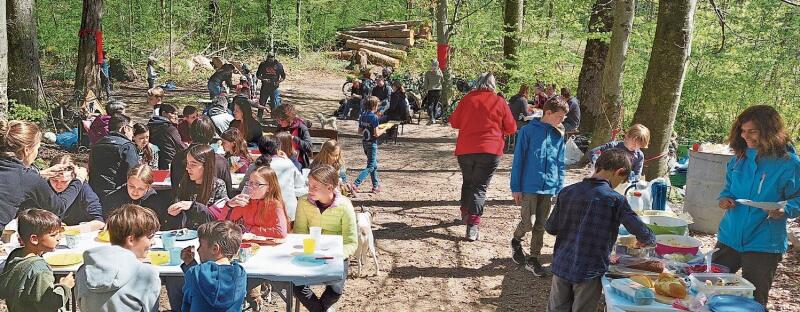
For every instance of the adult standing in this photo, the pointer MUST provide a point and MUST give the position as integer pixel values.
(151, 73)
(112, 156)
(432, 87)
(270, 72)
(22, 185)
(573, 120)
(222, 75)
(482, 118)
(765, 168)
(105, 75)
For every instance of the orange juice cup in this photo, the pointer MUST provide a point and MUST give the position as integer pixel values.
(309, 244)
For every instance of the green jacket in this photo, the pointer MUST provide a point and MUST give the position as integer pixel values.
(338, 219)
(27, 284)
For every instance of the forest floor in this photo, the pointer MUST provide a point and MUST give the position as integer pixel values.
(425, 262)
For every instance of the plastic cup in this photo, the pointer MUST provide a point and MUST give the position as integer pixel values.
(168, 240)
(175, 256)
(158, 256)
(316, 232)
(309, 244)
(7, 234)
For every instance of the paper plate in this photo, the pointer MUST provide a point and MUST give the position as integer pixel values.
(730, 303)
(64, 259)
(187, 235)
(308, 260)
(103, 236)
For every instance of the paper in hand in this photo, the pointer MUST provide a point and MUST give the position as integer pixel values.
(769, 206)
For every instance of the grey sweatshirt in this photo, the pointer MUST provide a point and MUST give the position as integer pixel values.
(113, 279)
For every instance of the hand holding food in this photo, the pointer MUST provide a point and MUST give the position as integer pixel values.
(726, 203)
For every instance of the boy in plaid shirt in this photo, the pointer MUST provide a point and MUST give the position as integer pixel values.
(585, 221)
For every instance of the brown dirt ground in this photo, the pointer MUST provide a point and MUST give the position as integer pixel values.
(426, 265)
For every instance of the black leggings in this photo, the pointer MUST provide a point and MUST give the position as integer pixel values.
(329, 297)
(477, 171)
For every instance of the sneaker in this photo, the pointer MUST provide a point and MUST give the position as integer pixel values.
(517, 254)
(535, 267)
(353, 188)
(472, 232)
(430, 122)
(377, 190)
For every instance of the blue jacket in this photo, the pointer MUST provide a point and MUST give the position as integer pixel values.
(538, 166)
(768, 179)
(213, 287)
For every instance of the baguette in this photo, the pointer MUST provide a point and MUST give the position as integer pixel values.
(670, 286)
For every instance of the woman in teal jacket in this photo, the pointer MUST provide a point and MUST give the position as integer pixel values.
(765, 169)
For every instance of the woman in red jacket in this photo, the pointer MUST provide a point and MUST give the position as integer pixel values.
(260, 207)
(482, 118)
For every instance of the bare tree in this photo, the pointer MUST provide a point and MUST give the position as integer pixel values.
(594, 59)
(87, 72)
(3, 61)
(610, 115)
(663, 84)
(23, 56)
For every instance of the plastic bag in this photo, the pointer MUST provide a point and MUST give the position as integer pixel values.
(67, 140)
(574, 153)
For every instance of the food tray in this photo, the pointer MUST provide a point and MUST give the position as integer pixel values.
(743, 287)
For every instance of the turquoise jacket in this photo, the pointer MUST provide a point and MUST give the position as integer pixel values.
(538, 166)
(767, 179)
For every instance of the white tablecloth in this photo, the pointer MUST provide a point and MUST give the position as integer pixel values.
(272, 263)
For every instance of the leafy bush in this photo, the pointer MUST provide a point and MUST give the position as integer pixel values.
(18, 111)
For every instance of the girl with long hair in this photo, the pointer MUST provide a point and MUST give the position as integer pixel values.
(200, 194)
(148, 153)
(331, 154)
(259, 208)
(236, 151)
(243, 120)
(287, 147)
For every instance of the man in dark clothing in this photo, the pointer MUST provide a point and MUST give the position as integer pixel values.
(112, 156)
(164, 134)
(202, 133)
(271, 74)
(573, 120)
(224, 74)
(383, 92)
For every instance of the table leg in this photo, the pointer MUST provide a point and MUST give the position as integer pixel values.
(289, 296)
(74, 300)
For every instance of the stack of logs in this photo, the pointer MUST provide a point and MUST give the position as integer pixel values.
(384, 43)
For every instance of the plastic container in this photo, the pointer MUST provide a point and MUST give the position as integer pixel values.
(742, 288)
(658, 195)
(633, 291)
(635, 201)
(671, 244)
(666, 225)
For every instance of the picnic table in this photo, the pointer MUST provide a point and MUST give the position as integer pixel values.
(275, 264)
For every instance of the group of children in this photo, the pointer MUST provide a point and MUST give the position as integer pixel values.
(586, 215)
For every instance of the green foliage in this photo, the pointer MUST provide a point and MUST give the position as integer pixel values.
(18, 111)
(759, 63)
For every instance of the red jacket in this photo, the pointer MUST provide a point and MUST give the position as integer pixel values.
(482, 118)
(260, 217)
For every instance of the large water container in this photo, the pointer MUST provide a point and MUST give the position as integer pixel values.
(704, 180)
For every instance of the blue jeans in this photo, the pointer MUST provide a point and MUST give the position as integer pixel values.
(371, 150)
(271, 94)
(214, 89)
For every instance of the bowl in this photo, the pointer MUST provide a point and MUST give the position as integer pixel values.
(672, 244)
(665, 225)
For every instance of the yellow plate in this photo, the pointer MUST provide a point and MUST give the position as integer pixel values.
(103, 236)
(64, 259)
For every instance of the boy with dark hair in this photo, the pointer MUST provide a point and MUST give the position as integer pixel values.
(216, 273)
(27, 282)
(537, 174)
(112, 157)
(113, 278)
(585, 221)
(164, 134)
(190, 114)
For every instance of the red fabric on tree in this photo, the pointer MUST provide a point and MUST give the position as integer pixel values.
(98, 40)
(441, 55)
(482, 118)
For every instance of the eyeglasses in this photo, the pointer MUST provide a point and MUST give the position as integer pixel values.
(256, 184)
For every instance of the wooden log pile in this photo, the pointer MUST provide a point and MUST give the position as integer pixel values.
(381, 43)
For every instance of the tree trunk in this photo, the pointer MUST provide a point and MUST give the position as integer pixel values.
(405, 33)
(3, 62)
(355, 45)
(512, 20)
(299, 31)
(382, 27)
(594, 57)
(87, 73)
(611, 104)
(663, 84)
(269, 26)
(380, 59)
(213, 21)
(443, 31)
(23, 53)
(345, 38)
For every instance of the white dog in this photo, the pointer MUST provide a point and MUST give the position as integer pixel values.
(366, 242)
(327, 121)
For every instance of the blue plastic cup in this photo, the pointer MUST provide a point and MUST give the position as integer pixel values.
(168, 240)
(175, 256)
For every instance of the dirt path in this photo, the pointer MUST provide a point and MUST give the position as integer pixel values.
(426, 265)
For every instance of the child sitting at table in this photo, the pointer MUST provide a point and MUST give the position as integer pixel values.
(636, 138)
(223, 281)
(86, 213)
(326, 208)
(585, 222)
(287, 148)
(114, 278)
(137, 190)
(236, 152)
(331, 154)
(27, 282)
(259, 209)
(200, 194)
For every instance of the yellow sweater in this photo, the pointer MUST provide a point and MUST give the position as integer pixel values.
(338, 219)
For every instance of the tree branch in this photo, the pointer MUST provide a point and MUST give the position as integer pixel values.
(721, 24)
(789, 2)
(456, 21)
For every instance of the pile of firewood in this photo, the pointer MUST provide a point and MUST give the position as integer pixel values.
(382, 43)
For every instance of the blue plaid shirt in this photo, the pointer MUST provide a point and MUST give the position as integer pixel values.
(586, 221)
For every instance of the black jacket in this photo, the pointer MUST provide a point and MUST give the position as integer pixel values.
(120, 197)
(165, 135)
(254, 130)
(85, 208)
(302, 138)
(382, 93)
(22, 188)
(109, 162)
(178, 170)
(271, 74)
(398, 107)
